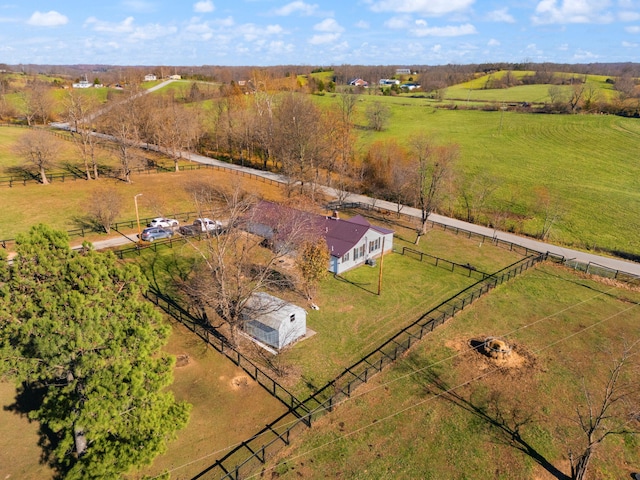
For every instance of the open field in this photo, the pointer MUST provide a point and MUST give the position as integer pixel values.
(584, 162)
(429, 416)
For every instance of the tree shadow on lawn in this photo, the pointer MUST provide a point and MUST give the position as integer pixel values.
(361, 286)
(29, 398)
(505, 421)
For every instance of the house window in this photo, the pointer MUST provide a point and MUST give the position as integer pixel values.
(362, 251)
(292, 317)
(370, 247)
(345, 258)
(355, 254)
(377, 244)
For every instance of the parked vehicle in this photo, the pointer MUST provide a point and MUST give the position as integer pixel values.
(201, 225)
(155, 233)
(163, 222)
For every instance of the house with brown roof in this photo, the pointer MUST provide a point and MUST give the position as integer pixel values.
(351, 242)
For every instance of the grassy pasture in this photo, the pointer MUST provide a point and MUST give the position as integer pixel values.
(587, 162)
(402, 425)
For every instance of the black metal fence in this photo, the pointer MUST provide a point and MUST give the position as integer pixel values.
(244, 459)
(221, 344)
(465, 269)
(593, 268)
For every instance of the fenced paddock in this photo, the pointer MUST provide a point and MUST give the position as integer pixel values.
(247, 457)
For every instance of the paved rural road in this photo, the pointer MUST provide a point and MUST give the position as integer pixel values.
(570, 254)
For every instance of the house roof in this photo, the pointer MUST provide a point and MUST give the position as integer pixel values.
(341, 235)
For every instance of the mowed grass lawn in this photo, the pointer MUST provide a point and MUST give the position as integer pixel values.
(423, 418)
(353, 319)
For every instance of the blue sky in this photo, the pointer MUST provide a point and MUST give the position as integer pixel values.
(305, 32)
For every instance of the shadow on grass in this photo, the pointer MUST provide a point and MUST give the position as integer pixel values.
(28, 400)
(361, 286)
(505, 421)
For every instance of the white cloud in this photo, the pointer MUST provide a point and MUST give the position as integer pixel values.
(585, 55)
(447, 31)
(48, 19)
(629, 44)
(252, 32)
(362, 24)
(632, 29)
(493, 43)
(126, 26)
(628, 16)
(572, 11)
(139, 6)
(424, 7)
(328, 25)
(436, 48)
(402, 22)
(563, 47)
(296, 7)
(324, 38)
(501, 15)
(204, 6)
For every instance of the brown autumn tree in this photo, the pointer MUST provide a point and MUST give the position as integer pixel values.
(39, 149)
(80, 112)
(432, 165)
(104, 207)
(234, 264)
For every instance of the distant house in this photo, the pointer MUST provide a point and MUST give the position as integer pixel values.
(175, 77)
(403, 71)
(150, 77)
(409, 86)
(273, 321)
(83, 84)
(351, 242)
(388, 81)
(358, 82)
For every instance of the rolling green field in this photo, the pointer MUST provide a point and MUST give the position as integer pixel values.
(446, 411)
(587, 163)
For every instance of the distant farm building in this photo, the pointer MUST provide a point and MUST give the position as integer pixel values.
(150, 77)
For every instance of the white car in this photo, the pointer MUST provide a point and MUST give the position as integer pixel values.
(163, 222)
(208, 225)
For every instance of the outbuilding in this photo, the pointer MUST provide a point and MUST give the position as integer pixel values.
(272, 321)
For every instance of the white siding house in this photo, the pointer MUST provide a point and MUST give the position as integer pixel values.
(273, 321)
(351, 242)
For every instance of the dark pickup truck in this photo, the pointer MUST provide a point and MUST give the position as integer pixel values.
(200, 226)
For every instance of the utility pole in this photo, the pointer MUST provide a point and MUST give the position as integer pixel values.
(380, 274)
(135, 201)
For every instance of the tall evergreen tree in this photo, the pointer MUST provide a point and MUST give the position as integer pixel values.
(73, 324)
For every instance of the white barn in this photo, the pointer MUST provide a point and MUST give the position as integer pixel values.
(273, 321)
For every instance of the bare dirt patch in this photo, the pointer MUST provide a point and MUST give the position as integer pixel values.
(475, 357)
(183, 360)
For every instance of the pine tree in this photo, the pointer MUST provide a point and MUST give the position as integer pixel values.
(74, 324)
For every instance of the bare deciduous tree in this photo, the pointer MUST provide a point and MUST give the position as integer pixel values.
(234, 264)
(298, 139)
(80, 110)
(40, 149)
(433, 164)
(121, 122)
(104, 206)
(377, 114)
(615, 411)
